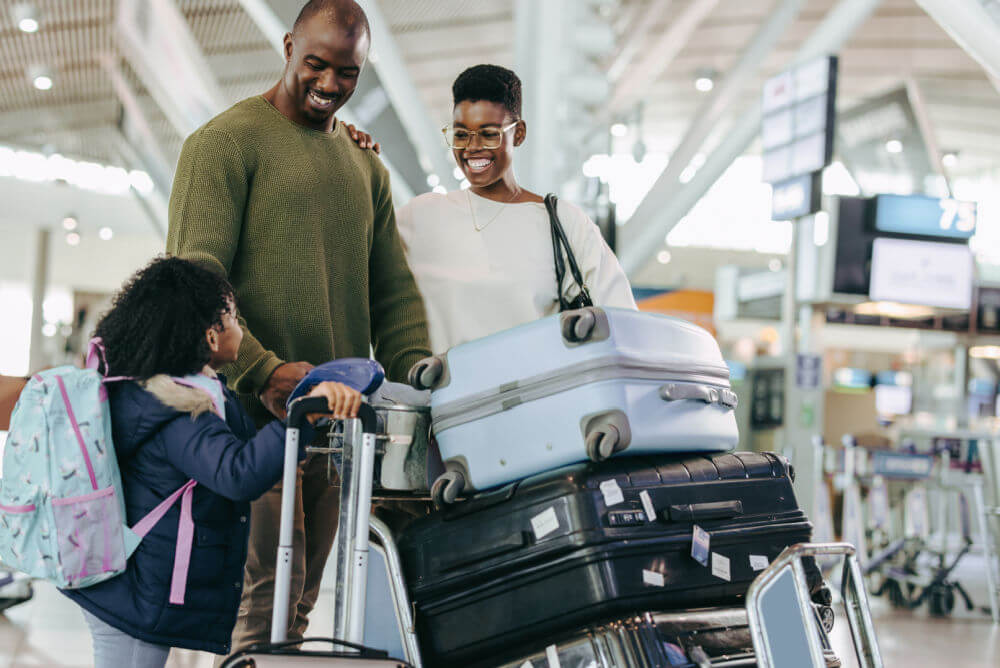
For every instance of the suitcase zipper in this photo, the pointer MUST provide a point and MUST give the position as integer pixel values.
(490, 402)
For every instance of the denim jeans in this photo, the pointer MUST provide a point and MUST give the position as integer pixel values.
(117, 649)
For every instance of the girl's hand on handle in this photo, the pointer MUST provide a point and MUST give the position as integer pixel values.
(343, 401)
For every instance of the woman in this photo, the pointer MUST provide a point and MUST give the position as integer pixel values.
(482, 257)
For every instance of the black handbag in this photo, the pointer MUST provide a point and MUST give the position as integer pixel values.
(559, 244)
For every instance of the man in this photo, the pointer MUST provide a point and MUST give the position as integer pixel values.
(276, 194)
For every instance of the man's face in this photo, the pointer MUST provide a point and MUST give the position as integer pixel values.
(323, 64)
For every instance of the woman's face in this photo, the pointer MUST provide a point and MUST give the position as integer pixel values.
(485, 166)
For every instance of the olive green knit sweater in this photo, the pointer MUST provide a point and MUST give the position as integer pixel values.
(302, 223)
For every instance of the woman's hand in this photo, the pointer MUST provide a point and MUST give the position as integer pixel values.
(363, 139)
(342, 400)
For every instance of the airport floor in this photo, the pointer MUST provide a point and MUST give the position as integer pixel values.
(49, 631)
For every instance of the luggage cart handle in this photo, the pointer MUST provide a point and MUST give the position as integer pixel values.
(297, 412)
(299, 408)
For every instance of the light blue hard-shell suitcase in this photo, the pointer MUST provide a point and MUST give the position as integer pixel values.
(581, 384)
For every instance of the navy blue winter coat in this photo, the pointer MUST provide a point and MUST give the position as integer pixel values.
(160, 446)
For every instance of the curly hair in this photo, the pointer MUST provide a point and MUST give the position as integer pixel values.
(491, 83)
(157, 323)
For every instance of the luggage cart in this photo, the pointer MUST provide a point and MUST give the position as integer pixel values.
(786, 632)
(350, 552)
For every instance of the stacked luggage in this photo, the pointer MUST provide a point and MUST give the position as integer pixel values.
(594, 447)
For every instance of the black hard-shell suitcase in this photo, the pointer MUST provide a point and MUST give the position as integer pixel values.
(682, 639)
(565, 548)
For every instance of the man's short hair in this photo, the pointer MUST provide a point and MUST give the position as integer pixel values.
(491, 83)
(346, 13)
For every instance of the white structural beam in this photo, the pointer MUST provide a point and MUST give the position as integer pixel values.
(136, 130)
(658, 56)
(665, 204)
(919, 104)
(405, 97)
(157, 41)
(973, 28)
(729, 90)
(638, 27)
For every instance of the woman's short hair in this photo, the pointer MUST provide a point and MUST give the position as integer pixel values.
(491, 83)
(158, 320)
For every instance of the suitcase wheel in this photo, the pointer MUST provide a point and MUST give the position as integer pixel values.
(446, 488)
(425, 374)
(579, 326)
(602, 442)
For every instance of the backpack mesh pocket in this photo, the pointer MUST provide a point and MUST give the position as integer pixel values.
(89, 534)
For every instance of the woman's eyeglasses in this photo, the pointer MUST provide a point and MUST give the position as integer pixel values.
(461, 138)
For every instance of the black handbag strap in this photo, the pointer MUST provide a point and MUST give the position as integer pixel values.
(560, 244)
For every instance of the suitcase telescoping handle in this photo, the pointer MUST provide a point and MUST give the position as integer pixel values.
(297, 412)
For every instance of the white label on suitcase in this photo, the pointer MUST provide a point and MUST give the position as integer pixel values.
(647, 504)
(544, 523)
(758, 562)
(720, 566)
(527, 664)
(653, 578)
(612, 493)
(552, 656)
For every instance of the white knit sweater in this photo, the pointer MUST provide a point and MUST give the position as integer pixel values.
(479, 282)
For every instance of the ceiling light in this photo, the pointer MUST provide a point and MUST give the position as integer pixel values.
(663, 257)
(774, 264)
(619, 129)
(985, 352)
(894, 146)
(704, 79)
(40, 76)
(458, 173)
(49, 329)
(949, 159)
(26, 17)
(73, 238)
(440, 190)
(106, 233)
(464, 185)
(433, 180)
(70, 223)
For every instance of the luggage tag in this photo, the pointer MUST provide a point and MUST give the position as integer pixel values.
(758, 562)
(612, 493)
(647, 505)
(720, 567)
(700, 543)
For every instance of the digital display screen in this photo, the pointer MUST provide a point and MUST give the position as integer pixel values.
(925, 216)
(922, 272)
(893, 399)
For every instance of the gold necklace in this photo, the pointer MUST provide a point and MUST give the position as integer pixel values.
(472, 210)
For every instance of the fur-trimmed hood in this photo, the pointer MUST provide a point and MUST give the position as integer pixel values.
(144, 407)
(182, 398)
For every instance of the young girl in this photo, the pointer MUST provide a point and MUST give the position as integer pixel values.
(172, 324)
